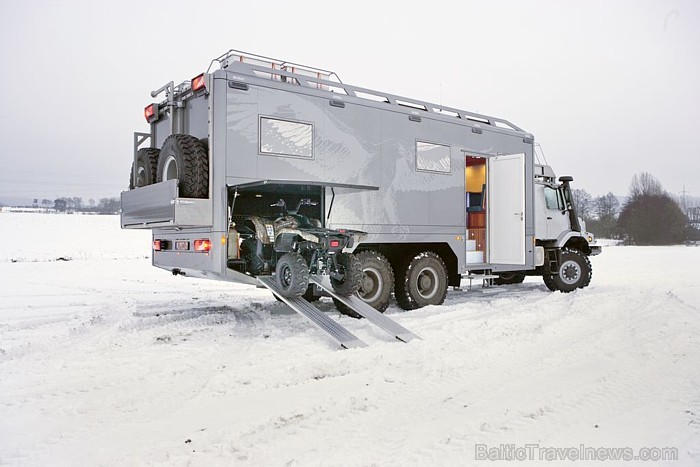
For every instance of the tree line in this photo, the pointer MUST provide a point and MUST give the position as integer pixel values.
(648, 216)
(76, 204)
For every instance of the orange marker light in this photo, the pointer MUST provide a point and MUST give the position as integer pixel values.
(149, 112)
(203, 245)
(197, 82)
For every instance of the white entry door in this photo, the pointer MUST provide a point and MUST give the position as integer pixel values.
(506, 209)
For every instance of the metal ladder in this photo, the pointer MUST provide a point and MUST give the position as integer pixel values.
(335, 331)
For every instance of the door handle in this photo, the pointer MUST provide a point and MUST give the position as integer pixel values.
(549, 218)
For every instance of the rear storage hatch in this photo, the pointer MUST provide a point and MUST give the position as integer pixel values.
(158, 205)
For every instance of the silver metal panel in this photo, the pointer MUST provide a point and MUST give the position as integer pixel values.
(241, 116)
(338, 333)
(157, 205)
(355, 303)
(196, 264)
(149, 206)
(350, 143)
(293, 107)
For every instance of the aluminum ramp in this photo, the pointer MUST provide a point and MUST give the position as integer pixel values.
(345, 338)
(363, 309)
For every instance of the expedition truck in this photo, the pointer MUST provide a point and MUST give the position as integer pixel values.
(279, 175)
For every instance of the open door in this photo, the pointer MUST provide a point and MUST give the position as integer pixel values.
(506, 209)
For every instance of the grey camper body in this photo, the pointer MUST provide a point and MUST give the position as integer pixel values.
(416, 178)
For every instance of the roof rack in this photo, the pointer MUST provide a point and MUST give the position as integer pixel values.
(237, 56)
(317, 78)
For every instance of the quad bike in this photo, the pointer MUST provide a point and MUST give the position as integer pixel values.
(295, 246)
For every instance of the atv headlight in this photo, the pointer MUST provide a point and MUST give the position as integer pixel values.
(270, 231)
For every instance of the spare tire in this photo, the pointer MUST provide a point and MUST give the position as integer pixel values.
(184, 158)
(146, 168)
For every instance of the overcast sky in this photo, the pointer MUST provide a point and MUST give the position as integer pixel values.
(608, 89)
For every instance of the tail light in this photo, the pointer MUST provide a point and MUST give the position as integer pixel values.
(202, 245)
(150, 112)
(335, 243)
(198, 83)
(156, 245)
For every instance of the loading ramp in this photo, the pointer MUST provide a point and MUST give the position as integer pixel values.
(356, 304)
(338, 333)
(335, 331)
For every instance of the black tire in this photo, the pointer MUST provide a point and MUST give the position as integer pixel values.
(352, 269)
(507, 278)
(292, 275)
(549, 282)
(377, 283)
(575, 272)
(346, 310)
(422, 282)
(309, 295)
(184, 157)
(146, 168)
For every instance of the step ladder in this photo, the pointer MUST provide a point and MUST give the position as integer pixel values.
(486, 279)
(356, 304)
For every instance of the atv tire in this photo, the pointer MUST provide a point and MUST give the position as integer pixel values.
(292, 275)
(185, 158)
(352, 269)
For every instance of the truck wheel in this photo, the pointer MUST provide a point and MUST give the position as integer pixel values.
(346, 310)
(424, 282)
(146, 168)
(575, 272)
(292, 275)
(377, 281)
(507, 278)
(376, 284)
(309, 294)
(184, 158)
(352, 269)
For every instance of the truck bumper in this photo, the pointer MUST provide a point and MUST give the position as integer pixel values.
(595, 250)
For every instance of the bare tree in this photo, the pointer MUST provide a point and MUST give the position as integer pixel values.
(583, 202)
(645, 184)
(606, 206)
(650, 216)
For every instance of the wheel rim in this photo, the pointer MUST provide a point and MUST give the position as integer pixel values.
(371, 285)
(285, 276)
(140, 176)
(170, 169)
(427, 283)
(569, 272)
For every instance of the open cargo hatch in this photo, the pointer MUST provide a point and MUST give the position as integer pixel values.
(158, 205)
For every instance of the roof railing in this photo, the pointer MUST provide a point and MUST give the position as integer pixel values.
(317, 78)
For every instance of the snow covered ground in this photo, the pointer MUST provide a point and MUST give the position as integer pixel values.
(106, 360)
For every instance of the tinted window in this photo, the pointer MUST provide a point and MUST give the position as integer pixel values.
(286, 138)
(432, 157)
(551, 197)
